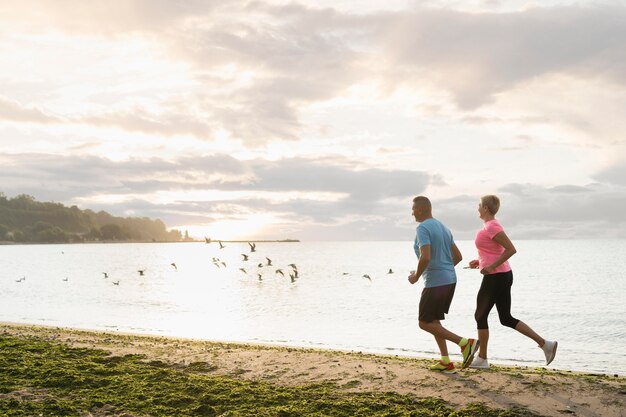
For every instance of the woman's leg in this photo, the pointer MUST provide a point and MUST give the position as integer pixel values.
(483, 337)
(503, 304)
(485, 301)
(524, 329)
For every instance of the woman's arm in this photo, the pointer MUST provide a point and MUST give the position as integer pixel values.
(509, 250)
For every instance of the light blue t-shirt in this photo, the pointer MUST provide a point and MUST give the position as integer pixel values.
(440, 269)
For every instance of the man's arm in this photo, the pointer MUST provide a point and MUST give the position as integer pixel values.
(456, 255)
(422, 264)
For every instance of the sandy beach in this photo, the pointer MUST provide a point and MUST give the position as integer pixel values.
(539, 390)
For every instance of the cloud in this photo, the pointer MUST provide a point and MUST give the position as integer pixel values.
(538, 212)
(362, 185)
(255, 65)
(254, 72)
(363, 204)
(13, 111)
(478, 55)
(293, 55)
(135, 119)
(531, 211)
(60, 177)
(218, 172)
(258, 66)
(140, 120)
(288, 186)
(614, 174)
(113, 18)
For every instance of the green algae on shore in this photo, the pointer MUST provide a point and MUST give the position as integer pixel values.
(39, 377)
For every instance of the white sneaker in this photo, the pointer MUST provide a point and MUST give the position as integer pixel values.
(549, 349)
(479, 363)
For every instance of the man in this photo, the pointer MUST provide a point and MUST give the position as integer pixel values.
(437, 255)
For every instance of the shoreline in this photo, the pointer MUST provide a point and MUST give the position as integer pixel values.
(541, 391)
(12, 243)
(396, 353)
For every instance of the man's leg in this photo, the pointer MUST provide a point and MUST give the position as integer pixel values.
(441, 342)
(441, 333)
(444, 365)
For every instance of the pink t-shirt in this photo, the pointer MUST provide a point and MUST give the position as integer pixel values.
(488, 249)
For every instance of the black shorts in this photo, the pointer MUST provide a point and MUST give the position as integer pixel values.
(435, 302)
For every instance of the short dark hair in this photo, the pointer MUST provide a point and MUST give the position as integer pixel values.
(423, 201)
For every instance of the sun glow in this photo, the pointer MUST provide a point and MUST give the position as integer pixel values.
(231, 229)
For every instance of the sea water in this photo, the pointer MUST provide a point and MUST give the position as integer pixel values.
(568, 290)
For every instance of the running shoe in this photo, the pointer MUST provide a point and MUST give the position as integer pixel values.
(479, 363)
(469, 349)
(444, 368)
(549, 349)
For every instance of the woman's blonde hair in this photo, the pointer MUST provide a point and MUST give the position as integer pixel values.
(491, 202)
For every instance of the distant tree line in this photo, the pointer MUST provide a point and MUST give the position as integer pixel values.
(23, 219)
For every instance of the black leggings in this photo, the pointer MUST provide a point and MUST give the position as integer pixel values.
(495, 289)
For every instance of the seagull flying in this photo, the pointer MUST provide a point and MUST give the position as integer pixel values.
(252, 246)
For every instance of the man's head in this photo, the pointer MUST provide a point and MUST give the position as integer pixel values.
(422, 209)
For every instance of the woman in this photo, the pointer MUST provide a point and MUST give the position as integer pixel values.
(494, 250)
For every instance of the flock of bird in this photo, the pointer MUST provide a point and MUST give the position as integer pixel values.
(261, 267)
(293, 272)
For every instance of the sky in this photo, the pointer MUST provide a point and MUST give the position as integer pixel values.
(319, 120)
